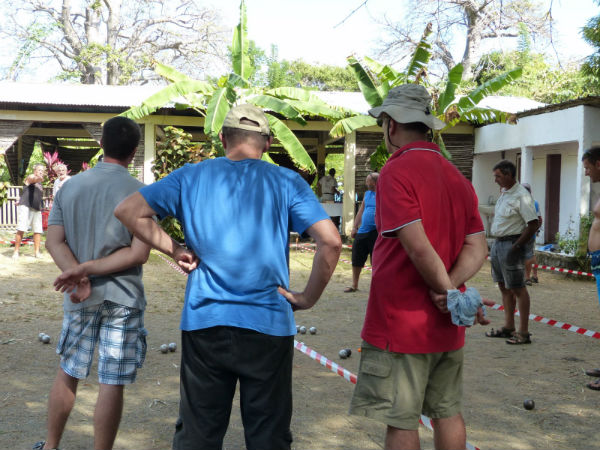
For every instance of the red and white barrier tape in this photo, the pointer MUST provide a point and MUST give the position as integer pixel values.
(558, 269)
(555, 323)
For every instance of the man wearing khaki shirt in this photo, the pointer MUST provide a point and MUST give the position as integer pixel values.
(515, 223)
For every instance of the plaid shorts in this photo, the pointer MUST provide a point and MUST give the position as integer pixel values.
(122, 337)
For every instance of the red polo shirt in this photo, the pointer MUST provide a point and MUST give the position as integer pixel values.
(417, 183)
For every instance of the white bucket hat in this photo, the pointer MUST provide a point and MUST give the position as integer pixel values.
(409, 103)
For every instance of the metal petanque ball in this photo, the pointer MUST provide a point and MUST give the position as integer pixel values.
(172, 346)
(529, 404)
(343, 353)
(46, 339)
(164, 348)
(312, 330)
(40, 336)
(302, 329)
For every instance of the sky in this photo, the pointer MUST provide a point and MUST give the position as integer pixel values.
(311, 29)
(320, 31)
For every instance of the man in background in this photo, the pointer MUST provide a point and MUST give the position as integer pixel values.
(515, 223)
(364, 231)
(29, 210)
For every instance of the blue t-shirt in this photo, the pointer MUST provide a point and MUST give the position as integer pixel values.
(236, 217)
(368, 216)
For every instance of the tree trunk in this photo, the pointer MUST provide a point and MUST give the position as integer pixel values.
(92, 73)
(113, 72)
(473, 41)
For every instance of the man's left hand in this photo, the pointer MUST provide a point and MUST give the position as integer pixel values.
(297, 299)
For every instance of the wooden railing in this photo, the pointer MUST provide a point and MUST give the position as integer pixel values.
(8, 211)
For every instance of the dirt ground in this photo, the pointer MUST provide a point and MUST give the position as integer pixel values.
(498, 377)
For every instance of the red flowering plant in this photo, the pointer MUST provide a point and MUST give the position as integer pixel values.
(52, 161)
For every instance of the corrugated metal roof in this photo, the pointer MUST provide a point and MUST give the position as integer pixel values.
(75, 94)
(86, 95)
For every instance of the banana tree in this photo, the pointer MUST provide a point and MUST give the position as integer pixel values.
(213, 102)
(375, 80)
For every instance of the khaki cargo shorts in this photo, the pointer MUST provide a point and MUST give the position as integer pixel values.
(396, 388)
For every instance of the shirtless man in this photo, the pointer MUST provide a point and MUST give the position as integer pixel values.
(591, 163)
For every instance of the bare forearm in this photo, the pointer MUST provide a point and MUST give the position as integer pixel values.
(527, 234)
(432, 269)
(120, 260)
(470, 259)
(324, 264)
(148, 231)
(61, 254)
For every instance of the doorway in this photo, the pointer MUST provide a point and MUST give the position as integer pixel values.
(551, 221)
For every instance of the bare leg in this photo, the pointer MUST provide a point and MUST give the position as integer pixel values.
(509, 302)
(355, 276)
(534, 263)
(528, 266)
(107, 416)
(18, 238)
(37, 239)
(524, 304)
(449, 433)
(60, 404)
(397, 439)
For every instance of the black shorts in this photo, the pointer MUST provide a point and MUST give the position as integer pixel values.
(363, 247)
(212, 362)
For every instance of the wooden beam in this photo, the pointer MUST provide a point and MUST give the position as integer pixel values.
(57, 132)
(70, 143)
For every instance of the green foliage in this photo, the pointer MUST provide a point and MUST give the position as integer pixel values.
(570, 244)
(379, 157)
(176, 150)
(591, 34)
(214, 100)
(4, 185)
(540, 80)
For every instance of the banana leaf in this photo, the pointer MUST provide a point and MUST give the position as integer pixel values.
(170, 73)
(217, 109)
(292, 93)
(447, 97)
(419, 59)
(234, 80)
(267, 158)
(292, 145)
(319, 108)
(439, 141)
(383, 72)
(366, 84)
(349, 124)
(165, 96)
(482, 116)
(487, 88)
(278, 106)
(239, 47)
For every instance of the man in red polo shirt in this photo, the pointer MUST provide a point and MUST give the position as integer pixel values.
(431, 241)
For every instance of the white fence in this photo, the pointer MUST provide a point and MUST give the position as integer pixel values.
(8, 211)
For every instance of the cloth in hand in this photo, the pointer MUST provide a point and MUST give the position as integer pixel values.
(463, 306)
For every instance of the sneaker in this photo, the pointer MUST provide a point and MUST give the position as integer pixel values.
(534, 279)
(38, 255)
(15, 256)
(528, 282)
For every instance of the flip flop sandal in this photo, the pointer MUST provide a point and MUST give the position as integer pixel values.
(593, 373)
(350, 289)
(519, 339)
(500, 333)
(594, 385)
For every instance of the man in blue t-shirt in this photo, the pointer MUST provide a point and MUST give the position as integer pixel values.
(237, 321)
(364, 231)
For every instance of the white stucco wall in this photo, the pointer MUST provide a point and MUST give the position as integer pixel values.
(566, 132)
